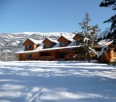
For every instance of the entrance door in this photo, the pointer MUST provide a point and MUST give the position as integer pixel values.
(29, 56)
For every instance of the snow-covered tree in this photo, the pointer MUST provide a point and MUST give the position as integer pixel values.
(112, 20)
(89, 34)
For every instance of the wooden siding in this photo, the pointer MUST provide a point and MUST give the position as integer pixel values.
(77, 37)
(109, 56)
(47, 55)
(104, 58)
(35, 56)
(59, 54)
(23, 57)
(112, 55)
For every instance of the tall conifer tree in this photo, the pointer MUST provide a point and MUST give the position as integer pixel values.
(89, 34)
(112, 20)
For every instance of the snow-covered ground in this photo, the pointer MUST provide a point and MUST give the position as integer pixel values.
(39, 81)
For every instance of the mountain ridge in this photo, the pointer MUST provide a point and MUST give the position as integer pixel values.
(5, 38)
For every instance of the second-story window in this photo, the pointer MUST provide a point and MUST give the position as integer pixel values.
(29, 46)
(62, 44)
(77, 42)
(47, 45)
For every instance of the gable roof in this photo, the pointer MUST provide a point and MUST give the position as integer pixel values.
(33, 40)
(63, 37)
(77, 35)
(51, 40)
(56, 46)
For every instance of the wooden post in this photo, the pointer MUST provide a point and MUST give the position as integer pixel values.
(112, 55)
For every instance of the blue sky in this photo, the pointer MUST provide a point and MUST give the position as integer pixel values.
(50, 15)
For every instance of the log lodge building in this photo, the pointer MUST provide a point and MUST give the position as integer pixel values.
(59, 50)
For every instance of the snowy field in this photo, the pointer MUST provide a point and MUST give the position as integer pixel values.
(57, 82)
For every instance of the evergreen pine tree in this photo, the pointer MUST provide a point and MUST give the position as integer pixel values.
(89, 34)
(112, 20)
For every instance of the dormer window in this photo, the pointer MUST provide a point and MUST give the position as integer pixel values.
(77, 42)
(47, 45)
(62, 44)
(29, 46)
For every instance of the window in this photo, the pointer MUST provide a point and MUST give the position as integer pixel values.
(47, 46)
(29, 46)
(62, 44)
(77, 42)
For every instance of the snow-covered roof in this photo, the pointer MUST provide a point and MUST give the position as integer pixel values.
(105, 42)
(93, 50)
(56, 46)
(35, 41)
(103, 51)
(72, 43)
(55, 41)
(40, 47)
(70, 38)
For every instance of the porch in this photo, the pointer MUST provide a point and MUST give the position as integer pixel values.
(53, 55)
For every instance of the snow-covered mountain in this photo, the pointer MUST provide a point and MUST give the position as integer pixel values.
(15, 39)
